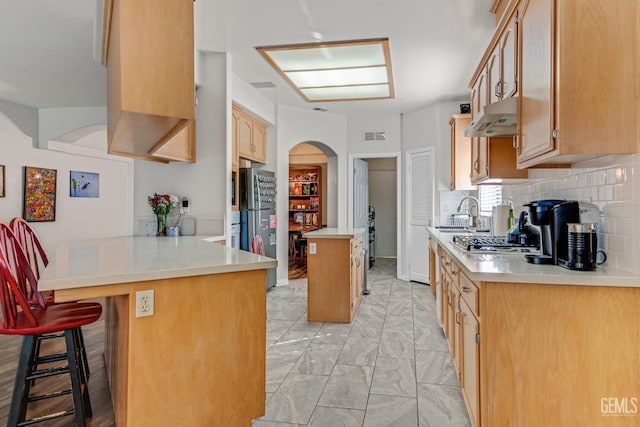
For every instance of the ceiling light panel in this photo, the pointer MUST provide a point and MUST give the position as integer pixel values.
(341, 77)
(347, 92)
(326, 57)
(335, 71)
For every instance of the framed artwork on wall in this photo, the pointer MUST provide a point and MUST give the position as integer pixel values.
(39, 194)
(84, 184)
(2, 181)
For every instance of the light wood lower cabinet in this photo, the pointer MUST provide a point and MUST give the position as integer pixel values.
(530, 354)
(334, 279)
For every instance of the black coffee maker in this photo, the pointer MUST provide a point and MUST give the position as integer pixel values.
(552, 216)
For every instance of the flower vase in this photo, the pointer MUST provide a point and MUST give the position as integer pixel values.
(162, 224)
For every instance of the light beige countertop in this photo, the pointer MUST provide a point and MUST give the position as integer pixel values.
(514, 268)
(125, 259)
(334, 233)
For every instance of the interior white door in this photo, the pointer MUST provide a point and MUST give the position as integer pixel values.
(420, 208)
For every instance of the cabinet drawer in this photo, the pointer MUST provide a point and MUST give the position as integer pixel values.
(451, 267)
(469, 292)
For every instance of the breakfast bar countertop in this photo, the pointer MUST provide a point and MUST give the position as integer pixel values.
(334, 233)
(125, 259)
(514, 268)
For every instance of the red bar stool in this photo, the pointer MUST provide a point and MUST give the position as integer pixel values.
(38, 260)
(31, 322)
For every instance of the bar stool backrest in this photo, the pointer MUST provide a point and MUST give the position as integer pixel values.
(30, 244)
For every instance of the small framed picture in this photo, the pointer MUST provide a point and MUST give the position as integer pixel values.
(39, 194)
(2, 181)
(84, 184)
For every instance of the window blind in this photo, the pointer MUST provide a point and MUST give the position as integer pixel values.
(489, 196)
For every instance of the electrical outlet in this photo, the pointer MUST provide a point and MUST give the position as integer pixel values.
(312, 248)
(144, 303)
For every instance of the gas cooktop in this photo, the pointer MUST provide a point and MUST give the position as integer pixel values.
(491, 244)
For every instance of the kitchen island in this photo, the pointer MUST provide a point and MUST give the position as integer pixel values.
(539, 344)
(199, 358)
(335, 274)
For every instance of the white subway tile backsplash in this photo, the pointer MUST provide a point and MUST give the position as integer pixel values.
(613, 185)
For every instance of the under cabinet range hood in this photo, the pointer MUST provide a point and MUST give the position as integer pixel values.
(497, 119)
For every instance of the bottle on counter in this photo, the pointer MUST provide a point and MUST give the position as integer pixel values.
(511, 219)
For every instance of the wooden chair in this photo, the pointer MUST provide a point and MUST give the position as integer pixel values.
(33, 263)
(34, 321)
(32, 248)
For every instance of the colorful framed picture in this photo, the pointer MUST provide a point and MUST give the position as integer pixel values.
(84, 184)
(39, 194)
(2, 181)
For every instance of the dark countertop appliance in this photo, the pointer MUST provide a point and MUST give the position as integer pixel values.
(552, 216)
(523, 232)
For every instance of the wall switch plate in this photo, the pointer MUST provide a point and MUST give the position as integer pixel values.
(144, 303)
(312, 248)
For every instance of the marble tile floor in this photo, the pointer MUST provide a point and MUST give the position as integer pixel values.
(389, 367)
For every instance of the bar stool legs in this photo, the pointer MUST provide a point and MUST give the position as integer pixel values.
(28, 371)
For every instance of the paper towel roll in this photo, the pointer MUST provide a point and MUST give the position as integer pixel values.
(500, 214)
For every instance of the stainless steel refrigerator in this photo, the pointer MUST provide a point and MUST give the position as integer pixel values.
(258, 215)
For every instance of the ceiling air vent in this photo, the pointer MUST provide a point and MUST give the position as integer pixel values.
(262, 85)
(375, 136)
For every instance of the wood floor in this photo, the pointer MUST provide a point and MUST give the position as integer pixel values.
(297, 270)
(98, 386)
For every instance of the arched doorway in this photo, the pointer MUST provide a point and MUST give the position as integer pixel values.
(311, 198)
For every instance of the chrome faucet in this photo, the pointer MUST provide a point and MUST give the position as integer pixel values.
(474, 218)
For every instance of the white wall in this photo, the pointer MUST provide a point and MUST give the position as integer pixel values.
(76, 218)
(357, 124)
(205, 183)
(296, 126)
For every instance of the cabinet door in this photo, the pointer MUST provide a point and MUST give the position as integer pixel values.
(456, 335)
(536, 80)
(442, 292)
(509, 58)
(460, 153)
(182, 147)
(479, 144)
(259, 147)
(245, 136)
(469, 328)
(494, 76)
(235, 118)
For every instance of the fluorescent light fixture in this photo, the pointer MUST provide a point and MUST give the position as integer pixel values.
(335, 71)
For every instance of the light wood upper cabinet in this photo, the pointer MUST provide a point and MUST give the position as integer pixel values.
(479, 144)
(460, 153)
(578, 92)
(250, 136)
(182, 147)
(235, 118)
(259, 153)
(502, 64)
(509, 58)
(494, 160)
(150, 75)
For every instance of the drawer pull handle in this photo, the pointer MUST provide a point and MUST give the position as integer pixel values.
(454, 273)
(447, 263)
(466, 289)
